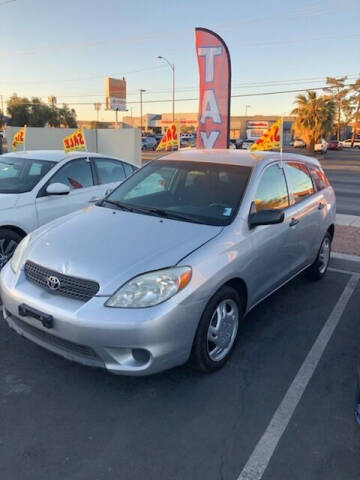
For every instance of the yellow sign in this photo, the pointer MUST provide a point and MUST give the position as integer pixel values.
(271, 138)
(19, 138)
(170, 138)
(75, 142)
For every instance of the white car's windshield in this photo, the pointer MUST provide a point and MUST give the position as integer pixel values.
(19, 175)
(189, 191)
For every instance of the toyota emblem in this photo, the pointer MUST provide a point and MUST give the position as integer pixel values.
(53, 283)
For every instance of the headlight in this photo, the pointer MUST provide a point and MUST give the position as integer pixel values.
(151, 288)
(15, 261)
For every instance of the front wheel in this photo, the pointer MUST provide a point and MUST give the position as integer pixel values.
(318, 269)
(9, 240)
(217, 331)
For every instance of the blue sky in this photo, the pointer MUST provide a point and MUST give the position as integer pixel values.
(65, 48)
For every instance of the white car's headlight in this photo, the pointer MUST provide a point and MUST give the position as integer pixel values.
(16, 259)
(150, 289)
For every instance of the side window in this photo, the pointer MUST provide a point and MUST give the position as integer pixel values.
(272, 193)
(109, 170)
(319, 178)
(300, 180)
(76, 174)
(129, 169)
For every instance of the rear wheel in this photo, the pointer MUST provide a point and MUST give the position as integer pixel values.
(9, 240)
(217, 331)
(318, 269)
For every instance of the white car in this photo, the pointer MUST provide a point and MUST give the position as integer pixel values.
(298, 143)
(246, 145)
(39, 186)
(321, 146)
(347, 143)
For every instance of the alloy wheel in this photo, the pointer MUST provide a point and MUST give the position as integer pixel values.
(222, 330)
(324, 255)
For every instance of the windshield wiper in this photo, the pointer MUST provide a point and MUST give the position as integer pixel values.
(119, 205)
(175, 215)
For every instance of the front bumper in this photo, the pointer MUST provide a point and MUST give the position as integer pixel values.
(124, 341)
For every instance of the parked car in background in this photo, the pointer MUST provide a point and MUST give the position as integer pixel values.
(187, 142)
(149, 143)
(189, 244)
(232, 143)
(347, 143)
(334, 145)
(39, 186)
(298, 143)
(247, 144)
(238, 143)
(321, 146)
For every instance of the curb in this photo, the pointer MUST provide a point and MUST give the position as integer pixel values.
(347, 220)
(345, 256)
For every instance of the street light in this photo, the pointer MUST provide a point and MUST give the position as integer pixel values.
(246, 109)
(141, 115)
(172, 66)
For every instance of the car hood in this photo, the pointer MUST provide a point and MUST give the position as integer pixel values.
(8, 200)
(112, 246)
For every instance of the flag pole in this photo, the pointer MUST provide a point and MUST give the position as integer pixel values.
(25, 132)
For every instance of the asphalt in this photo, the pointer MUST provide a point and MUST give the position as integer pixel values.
(343, 170)
(60, 420)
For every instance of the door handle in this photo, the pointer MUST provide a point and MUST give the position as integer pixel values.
(294, 221)
(321, 206)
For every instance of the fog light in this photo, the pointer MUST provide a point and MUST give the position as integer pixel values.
(141, 355)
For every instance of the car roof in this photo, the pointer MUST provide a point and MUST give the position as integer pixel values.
(55, 155)
(235, 157)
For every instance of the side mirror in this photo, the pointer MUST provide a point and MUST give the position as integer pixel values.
(266, 217)
(58, 189)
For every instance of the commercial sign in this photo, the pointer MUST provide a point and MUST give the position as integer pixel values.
(115, 93)
(170, 138)
(215, 83)
(75, 142)
(19, 138)
(272, 138)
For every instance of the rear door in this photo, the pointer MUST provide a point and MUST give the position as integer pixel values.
(78, 175)
(305, 215)
(109, 174)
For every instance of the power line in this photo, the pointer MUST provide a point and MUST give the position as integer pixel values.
(258, 94)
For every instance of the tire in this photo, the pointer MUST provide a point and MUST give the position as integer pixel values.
(317, 270)
(9, 240)
(204, 355)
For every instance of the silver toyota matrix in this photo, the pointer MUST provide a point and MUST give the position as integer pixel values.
(163, 269)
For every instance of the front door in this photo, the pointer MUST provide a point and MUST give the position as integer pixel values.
(77, 174)
(271, 260)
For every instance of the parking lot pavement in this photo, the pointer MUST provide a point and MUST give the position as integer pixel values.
(60, 420)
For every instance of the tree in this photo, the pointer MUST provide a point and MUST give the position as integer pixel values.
(35, 113)
(19, 111)
(355, 98)
(67, 117)
(314, 117)
(337, 92)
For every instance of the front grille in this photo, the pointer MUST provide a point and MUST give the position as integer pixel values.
(52, 340)
(73, 287)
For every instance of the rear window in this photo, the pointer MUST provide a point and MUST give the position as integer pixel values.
(319, 178)
(300, 180)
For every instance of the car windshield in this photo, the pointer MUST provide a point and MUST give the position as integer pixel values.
(195, 192)
(19, 175)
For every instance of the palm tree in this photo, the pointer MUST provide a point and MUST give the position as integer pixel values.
(355, 98)
(337, 92)
(314, 117)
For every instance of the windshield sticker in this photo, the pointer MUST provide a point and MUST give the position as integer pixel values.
(227, 212)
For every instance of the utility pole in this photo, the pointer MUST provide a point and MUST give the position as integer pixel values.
(97, 107)
(246, 109)
(141, 110)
